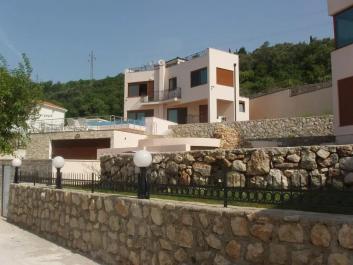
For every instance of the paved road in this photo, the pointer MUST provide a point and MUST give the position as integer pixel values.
(19, 247)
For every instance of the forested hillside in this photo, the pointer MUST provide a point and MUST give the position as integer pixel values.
(264, 69)
(88, 98)
(285, 65)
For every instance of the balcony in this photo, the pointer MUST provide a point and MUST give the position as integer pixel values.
(85, 124)
(162, 95)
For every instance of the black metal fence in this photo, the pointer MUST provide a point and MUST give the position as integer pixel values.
(304, 193)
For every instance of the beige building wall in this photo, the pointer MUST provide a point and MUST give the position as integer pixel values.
(342, 68)
(336, 6)
(281, 104)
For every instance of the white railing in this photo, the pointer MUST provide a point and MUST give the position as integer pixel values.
(85, 124)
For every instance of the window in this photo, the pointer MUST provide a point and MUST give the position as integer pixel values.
(173, 83)
(241, 106)
(133, 90)
(199, 77)
(177, 115)
(345, 95)
(344, 28)
(137, 89)
(225, 77)
(139, 114)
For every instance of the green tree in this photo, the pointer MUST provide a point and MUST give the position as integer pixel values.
(18, 103)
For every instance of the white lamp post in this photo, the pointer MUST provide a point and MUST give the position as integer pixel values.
(16, 163)
(58, 163)
(143, 159)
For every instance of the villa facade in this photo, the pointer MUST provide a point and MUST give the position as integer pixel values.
(342, 69)
(203, 87)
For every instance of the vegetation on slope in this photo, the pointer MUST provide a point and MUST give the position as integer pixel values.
(285, 65)
(266, 68)
(88, 98)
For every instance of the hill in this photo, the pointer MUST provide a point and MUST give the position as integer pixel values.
(88, 98)
(285, 65)
(264, 69)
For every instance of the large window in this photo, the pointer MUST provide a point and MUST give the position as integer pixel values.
(139, 114)
(199, 77)
(137, 89)
(178, 115)
(344, 28)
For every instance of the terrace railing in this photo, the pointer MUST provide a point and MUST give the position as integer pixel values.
(300, 192)
(162, 95)
(84, 124)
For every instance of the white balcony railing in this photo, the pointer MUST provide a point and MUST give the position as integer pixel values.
(85, 124)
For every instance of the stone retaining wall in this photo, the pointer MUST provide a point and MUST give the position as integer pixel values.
(276, 167)
(127, 231)
(321, 126)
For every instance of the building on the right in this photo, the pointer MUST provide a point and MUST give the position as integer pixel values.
(342, 69)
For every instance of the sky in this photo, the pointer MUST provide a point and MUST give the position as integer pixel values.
(58, 35)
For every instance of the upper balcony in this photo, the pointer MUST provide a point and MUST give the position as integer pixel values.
(177, 60)
(159, 96)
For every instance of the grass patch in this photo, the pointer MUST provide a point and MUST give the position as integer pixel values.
(296, 204)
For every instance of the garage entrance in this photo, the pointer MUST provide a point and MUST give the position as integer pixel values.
(85, 149)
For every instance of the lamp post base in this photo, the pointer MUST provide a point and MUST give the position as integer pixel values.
(16, 175)
(58, 179)
(143, 186)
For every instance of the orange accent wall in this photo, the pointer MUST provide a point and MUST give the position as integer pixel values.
(225, 77)
(150, 88)
(345, 101)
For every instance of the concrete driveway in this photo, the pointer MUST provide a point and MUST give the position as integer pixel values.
(19, 247)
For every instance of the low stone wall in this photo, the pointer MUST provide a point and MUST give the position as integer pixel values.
(126, 231)
(270, 129)
(275, 167)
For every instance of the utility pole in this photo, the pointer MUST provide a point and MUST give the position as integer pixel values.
(91, 61)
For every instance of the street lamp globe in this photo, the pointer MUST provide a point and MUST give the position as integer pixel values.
(142, 158)
(58, 162)
(16, 162)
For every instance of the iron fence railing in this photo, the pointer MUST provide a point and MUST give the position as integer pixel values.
(303, 193)
(162, 95)
(84, 124)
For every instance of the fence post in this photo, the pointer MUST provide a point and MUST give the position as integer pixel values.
(34, 180)
(225, 189)
(92, 183)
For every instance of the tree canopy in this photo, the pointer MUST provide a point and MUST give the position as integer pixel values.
(88, 98)
(18, 103)
(285, 65)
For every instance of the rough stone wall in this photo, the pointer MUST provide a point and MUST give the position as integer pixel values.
(275, 167)
(118, 230)
(263, 129)
(39, 145)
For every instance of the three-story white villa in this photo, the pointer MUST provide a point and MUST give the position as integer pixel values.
(203, 87)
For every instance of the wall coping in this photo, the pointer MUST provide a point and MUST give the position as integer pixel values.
(242, 150)
(329, 116)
